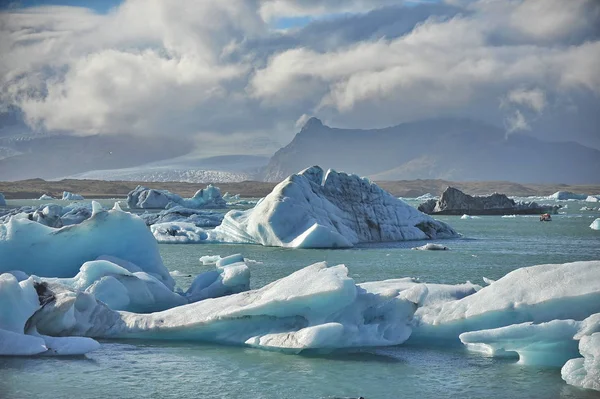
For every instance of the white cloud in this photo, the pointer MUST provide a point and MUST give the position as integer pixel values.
(215, 67)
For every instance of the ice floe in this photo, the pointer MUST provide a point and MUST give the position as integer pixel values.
(45, 197)
(595, 224)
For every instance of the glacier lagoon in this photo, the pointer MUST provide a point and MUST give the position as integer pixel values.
(491, 247)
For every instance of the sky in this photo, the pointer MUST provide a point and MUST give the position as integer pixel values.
(244, 73)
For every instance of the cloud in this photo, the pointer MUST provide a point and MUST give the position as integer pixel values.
(217, 68)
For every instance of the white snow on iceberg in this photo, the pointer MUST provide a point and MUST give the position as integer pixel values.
(312, 209)
(314, 308)
(44, 251)
(532, 294)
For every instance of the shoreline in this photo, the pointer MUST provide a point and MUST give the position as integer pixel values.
(34, 188)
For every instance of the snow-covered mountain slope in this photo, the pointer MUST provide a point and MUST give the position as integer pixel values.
(190, 169)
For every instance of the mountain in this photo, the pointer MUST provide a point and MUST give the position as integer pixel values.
(445, 148)
(54, 156)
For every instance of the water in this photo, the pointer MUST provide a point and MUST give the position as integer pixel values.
(492, 246)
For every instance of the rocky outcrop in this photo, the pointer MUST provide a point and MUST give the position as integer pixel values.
(455, 202)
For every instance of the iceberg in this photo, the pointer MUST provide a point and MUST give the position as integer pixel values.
(546, 344)
(232, 276)
(567, 195)
(432, 247)
(71, 197)
(317, 307)
(585, 372)
(48, 252)
(51, 215)
(593, 198)
(595, 224)
(178, 233)
(200, 218)
(465, 216)
(145, 198)
(18, 302)
(312, 209)
(2, 200)
(45, 197)
(535, 294)
(123, 287)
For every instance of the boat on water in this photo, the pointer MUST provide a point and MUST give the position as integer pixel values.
(545, 217)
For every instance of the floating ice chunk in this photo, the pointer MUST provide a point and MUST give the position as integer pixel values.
(509, 216)
(595, 224)
(593, 198)
(432, 247)
(585, 372)
(2, 200)
(36, 249)
(121, 289)
(232, 276)
(532, 294)
(317, 210)
(567, 195)
(315, 307)
(178, 233)
(45, 197)
(209, 259)
(546, 344)
(71, 197)
(142, 197)
(465, 216)
(177, 273)
(200, 218)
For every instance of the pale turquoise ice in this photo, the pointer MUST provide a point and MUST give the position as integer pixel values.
(492, 247)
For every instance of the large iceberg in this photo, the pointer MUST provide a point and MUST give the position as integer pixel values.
(317, 307)
(48, 252)
(147, 198)
(71, 196)
(535, 294)
(312, 209)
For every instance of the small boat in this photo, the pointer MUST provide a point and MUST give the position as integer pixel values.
(545, 217)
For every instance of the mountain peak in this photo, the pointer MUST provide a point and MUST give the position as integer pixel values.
(312, 123)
